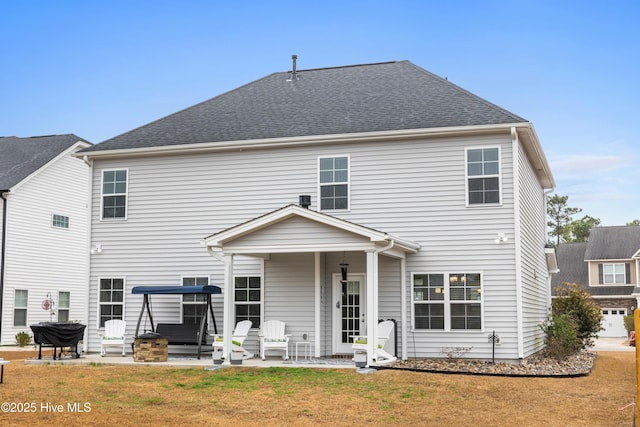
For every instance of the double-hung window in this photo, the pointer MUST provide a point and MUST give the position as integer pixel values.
(333, 173)
(428, 297)
(465, 295)
(20, 301)
(114, 194)
(111, 299)
(447, 301)
(615, 273)
(483, 176)
(193, 305)
(64, 302)
(248, 297)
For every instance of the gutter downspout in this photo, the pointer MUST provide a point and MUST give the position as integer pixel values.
(549, 293)
(3, 195)
(515, 150)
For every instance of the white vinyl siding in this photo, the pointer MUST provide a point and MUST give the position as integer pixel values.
(411, 189)
(30, 234)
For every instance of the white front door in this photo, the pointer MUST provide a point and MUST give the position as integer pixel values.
(349, 310)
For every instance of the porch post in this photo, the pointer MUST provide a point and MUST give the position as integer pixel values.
(316, 328)
(403, 307)
(227, 313)
(372, 305)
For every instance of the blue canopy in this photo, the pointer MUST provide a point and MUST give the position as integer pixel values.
(176, 290)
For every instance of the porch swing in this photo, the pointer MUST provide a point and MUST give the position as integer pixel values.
(177, 333)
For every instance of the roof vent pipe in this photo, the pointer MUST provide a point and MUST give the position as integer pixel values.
(305, 201)
(294, 72)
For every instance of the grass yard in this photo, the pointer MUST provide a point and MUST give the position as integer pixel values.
(102, 395)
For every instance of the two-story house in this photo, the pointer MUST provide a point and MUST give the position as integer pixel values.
(422, 202)
(43, 232)
(608, 267)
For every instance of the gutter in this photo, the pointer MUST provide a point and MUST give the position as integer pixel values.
(3, 244)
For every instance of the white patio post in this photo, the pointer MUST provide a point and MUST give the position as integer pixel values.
(318, 285)
(372, 304)
(227, 313)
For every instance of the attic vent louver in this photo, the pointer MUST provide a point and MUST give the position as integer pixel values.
(294, 73)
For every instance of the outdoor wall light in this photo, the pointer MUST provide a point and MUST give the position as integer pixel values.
(96, 249)
(343, 271)
(501, 238)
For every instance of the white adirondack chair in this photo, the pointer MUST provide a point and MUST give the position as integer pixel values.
(380, 354)
(237, 340)
(272, 337)
(113, 335)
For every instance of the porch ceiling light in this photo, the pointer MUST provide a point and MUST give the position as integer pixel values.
(343, 271)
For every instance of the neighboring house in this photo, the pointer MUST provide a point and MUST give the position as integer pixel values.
(608, 267)
(431, 199)
(43, 258)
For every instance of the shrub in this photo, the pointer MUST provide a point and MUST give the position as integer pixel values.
(23, 339)
(629, 324)
(585, 314)
(561, 336)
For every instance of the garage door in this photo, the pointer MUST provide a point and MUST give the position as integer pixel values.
(613, 322)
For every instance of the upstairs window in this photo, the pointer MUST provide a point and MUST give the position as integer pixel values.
(333, 175)
(114, 194)
(615, 273)
(483, 176)
(193, 305)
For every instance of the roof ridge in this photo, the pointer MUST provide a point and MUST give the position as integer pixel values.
(473, 95)
(344, 66)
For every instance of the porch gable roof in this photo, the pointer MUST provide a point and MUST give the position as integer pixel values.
(374, 237)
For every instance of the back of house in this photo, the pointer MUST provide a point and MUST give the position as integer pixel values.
(330, 199)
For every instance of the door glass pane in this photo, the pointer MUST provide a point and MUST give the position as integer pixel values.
(350, 310)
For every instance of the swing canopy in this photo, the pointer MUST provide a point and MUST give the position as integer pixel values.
(176, 290)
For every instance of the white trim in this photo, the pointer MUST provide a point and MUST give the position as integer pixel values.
(99, 304)
(15, 307)
(220, 239)
(347, 183)
(125, 194)
(337, 312)
(517, 217)
(447, 301)
(467, 177)
(318, 303)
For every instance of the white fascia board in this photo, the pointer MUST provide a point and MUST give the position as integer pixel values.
(253, 144)
(534, 152)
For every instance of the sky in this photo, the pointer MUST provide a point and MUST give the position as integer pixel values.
(100, 68)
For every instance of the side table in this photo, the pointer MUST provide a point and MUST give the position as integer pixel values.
(306, 345)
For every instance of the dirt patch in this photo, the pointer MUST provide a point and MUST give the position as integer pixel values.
(125, 395)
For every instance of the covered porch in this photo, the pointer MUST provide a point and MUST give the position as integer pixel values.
(328, 279)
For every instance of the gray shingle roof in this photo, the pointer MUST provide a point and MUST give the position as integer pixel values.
(619, 242)
(573, 268)
(20, 157)
(359, 98)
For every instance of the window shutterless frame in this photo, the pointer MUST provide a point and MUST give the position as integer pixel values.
(483, 176)
(334, 187)
(114, 194)
(193, 304)
(447, 302)
(111, 299)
